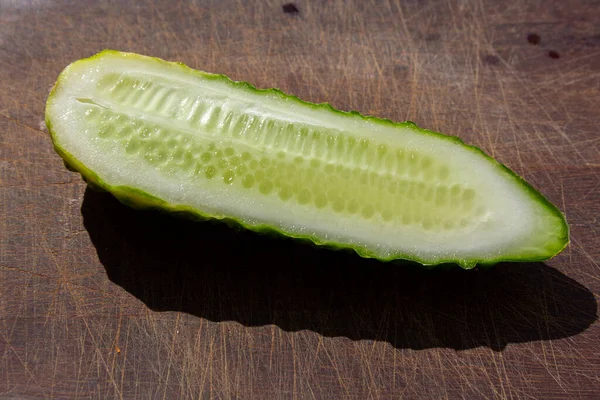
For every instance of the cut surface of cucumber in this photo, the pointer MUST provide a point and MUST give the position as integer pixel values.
(160, 134)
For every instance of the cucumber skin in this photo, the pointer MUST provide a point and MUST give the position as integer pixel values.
(139, 199)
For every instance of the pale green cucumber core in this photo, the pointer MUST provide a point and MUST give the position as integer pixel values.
(298, 163)
(199, 141)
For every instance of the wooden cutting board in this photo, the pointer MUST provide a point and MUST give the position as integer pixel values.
(99, 301)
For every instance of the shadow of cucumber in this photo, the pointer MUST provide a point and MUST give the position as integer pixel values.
(222, 274)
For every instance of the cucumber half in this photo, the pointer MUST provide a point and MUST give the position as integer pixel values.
(160, 134)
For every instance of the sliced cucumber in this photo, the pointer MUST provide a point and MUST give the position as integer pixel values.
(159, 134)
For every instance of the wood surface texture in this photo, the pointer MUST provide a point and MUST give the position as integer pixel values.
(98, 301)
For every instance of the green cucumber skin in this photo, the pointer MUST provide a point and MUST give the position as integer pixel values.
(139, 199)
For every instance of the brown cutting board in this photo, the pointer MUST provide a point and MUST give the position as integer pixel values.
(99, 301)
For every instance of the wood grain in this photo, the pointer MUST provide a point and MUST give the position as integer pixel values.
(99, 301)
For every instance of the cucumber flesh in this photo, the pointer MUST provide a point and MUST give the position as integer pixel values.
(160, 134)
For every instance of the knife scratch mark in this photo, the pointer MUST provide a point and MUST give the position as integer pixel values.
(294, 361)
(511, 125)
(272, 347)
(57, 279)
(22, 362)
(116, 341)
(24, 125)
(171, 353)
(204, 373)
(337, 372)
(124, 353)
(536, 99)
(78, 307)
(365, 361)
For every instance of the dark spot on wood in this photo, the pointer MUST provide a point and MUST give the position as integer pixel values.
(553, 54)
(290, 8)
(534, 38)
(432, 37)
(490, 59)
(400, 72)
(593, 40)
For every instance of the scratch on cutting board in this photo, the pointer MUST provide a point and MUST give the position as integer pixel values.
(23, 125)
